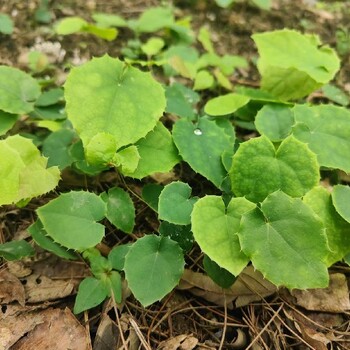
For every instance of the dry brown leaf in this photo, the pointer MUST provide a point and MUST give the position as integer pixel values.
(16, 322)
(11, 288)
(59, 330)
(180, 342)
(250, 286)
(316, 339)
(335, 298)
(41, 288)
(107, 336)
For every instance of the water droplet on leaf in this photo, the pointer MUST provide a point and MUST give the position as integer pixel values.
(197, 132)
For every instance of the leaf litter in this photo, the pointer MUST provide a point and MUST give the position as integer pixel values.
(29, 319)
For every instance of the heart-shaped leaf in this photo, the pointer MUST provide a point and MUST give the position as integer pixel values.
(286, 241)
(258, 169)
(175, 204)
(215, 229)
(201, 146)
(106, 95)
(157, 153)
(70, 219)
(158, 258)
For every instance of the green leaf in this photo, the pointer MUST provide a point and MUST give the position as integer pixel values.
(224, 3)
(6, 24)
(215, 229)
(151, 193)
(18, 91)
(40, 237)
(337, 229)
(158, 258)
(154, 19)
(205, 40)
(56, 148)
(117, 255)
(179, 233)
(336, 95)
(101, 32)
(218, 274)
(275, 121)
(180, 100)
(70, 25)
(70, 219)
(222, 80)
(153, 46)
(101, 149)
(120, 209)
(326, 130)
(16, 250)
(175, 204)
(106, 95)
(203, 80)
(226, 104)
(157, 153)
(7, 121)
(341, 200)
(293, 65)
(53, 112)
(258, 169)
(127, 159)
(23, 172)
(201, 146)
(91, 293)
(262, 4)
(108, 20)
(286, 242)
(113, 283)
(50, 97)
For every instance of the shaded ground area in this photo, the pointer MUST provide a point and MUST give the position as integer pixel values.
(36, 295)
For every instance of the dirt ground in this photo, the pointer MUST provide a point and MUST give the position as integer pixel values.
(198, 314)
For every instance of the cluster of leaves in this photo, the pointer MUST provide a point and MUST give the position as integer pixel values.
(272, 212)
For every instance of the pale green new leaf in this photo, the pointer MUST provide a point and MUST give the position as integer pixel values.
(337, 229)
(71, 219)
(175, 204)
(286, 242)
(23, 172)
(108, 20)
(18, 91)
(153, 267)
(157, 153)
(70, 25)
(258, 169)
(205, 40)
(6, 24)
(341, 201)
(203, 80)
(127, 159)
(106, 95)
(101, 149)
(225, 104)
(215, 229)
(326, 130)
(201, 146)
(275, 121)
(154, 19)
(153, 46)
(293, 65)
